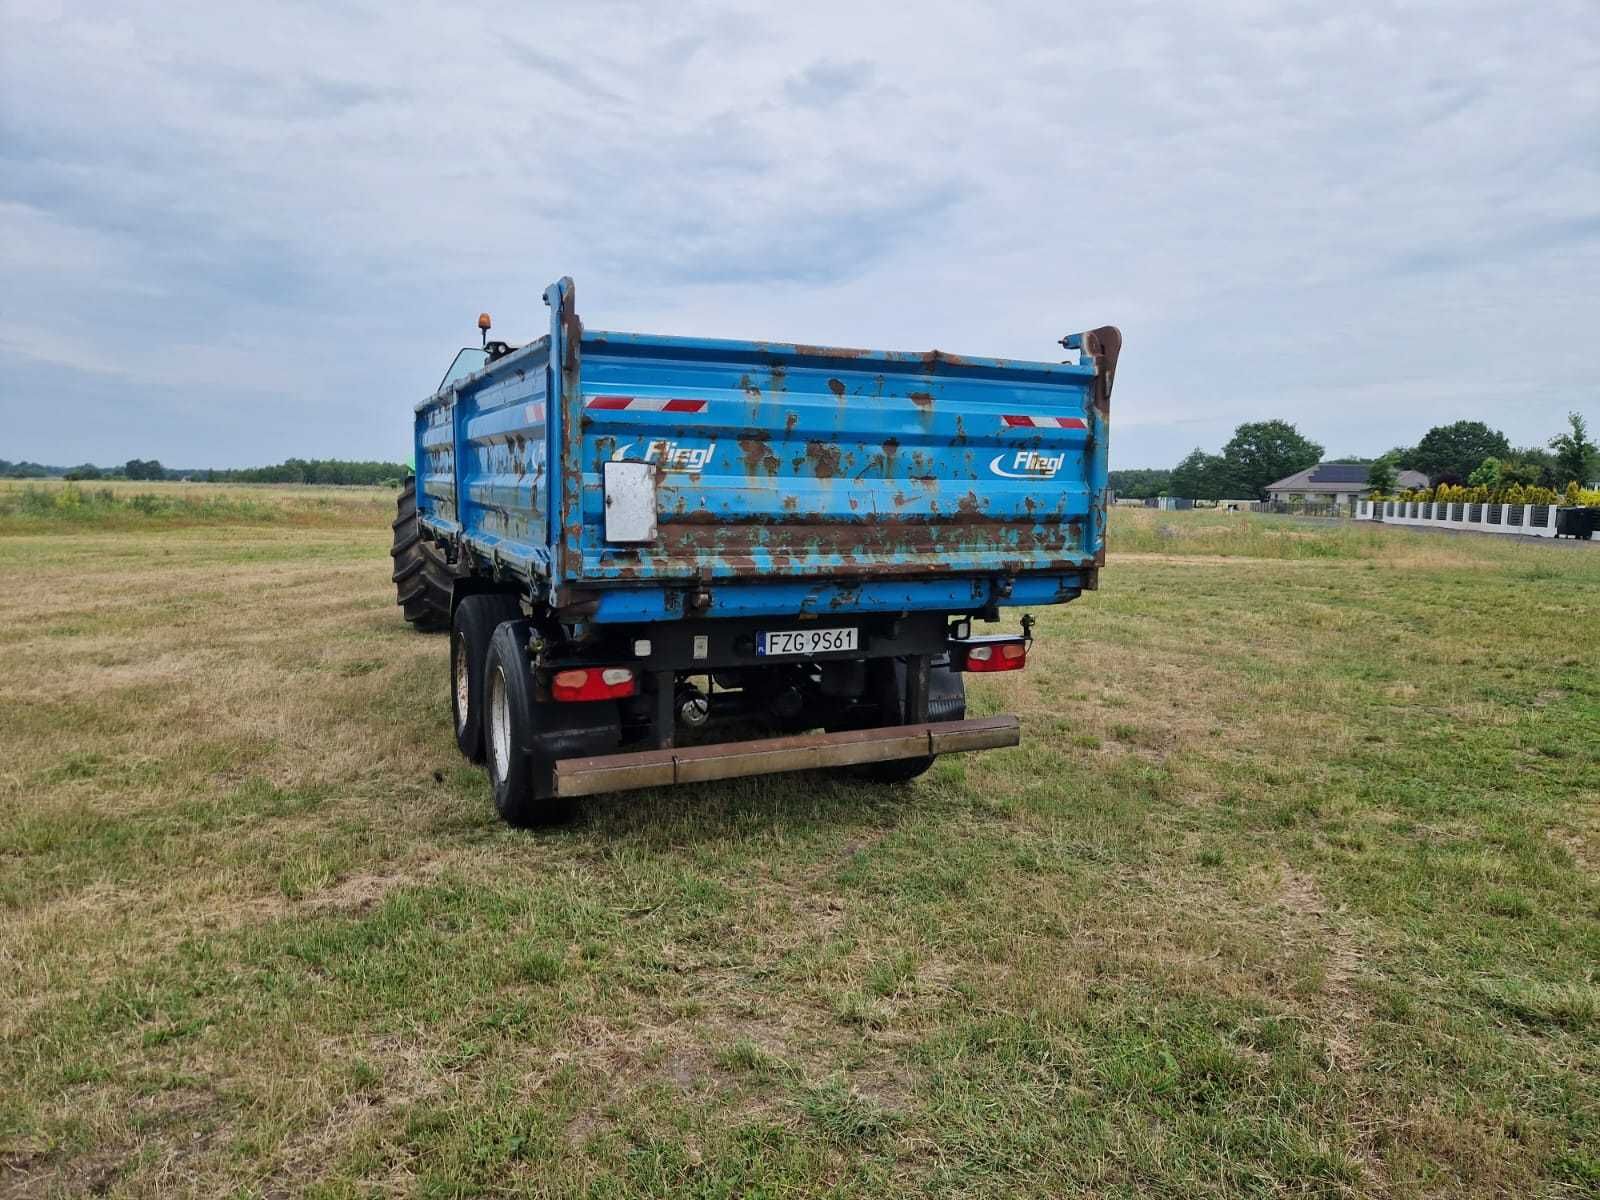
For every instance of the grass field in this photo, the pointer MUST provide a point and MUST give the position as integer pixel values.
(1290, 890)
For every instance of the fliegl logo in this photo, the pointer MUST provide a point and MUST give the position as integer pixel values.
(670, 455)
(1027, 464)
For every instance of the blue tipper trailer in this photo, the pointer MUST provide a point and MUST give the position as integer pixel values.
(637, 541)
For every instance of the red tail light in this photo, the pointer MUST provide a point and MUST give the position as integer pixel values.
(593, 683)
(993, 656)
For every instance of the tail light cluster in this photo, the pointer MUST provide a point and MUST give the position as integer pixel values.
(989, 654)
(593, 683)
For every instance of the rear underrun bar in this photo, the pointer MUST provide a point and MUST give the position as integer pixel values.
(766, 756)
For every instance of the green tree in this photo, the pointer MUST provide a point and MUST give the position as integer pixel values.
(313, 470)
(139, 468)
(1539, 462)
(1450, 453)
(1485, 474)
(1135, 483)
(1262, 452)
(1519, 470)
(1200, 476)
(1575, 453)
(1383, 475)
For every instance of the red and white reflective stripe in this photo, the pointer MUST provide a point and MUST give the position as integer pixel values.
(1015, 421)
(646, 403)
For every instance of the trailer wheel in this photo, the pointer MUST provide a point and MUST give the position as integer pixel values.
(476, 619)
(421, 575)
(524, 738)
(508, 705)
(947, 701)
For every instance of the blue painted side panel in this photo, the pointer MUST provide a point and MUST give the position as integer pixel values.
(436, 463)
(483, 461)
(790, 479)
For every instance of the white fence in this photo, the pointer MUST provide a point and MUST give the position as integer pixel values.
(1530, 520)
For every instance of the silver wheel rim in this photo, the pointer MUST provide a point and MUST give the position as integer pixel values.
(499, 725)
(463, 684)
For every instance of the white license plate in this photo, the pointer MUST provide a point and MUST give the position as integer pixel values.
(805, 642)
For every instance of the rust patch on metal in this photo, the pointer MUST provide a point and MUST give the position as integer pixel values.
(837, 388)
(1104, 345)
(789, 421)
(876, 463)
(891, 447)
(571, 330)
(571, 499)
(923, 400)
(882, 546)
(758, 455)
(824, 458)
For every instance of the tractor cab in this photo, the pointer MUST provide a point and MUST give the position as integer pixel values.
(469, 360)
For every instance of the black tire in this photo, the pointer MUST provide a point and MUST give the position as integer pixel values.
(476, 619)
(421, 574)
(523, 743)
(947, 701)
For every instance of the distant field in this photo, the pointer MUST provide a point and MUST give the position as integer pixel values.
(1290, 890)
(53, 505)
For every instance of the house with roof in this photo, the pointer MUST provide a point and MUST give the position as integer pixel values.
(1334, 483)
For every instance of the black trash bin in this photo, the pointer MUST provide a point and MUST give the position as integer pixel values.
(1576, 522)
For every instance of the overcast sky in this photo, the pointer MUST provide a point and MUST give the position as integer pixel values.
(229, 234)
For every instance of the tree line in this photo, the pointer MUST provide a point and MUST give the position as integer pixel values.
(1259, 453)
(1464, 453)
(293, 470)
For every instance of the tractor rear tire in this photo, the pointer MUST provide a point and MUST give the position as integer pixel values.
(421, 575)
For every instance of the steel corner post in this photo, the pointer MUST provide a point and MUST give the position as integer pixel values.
(566, 412)
(1104, 347)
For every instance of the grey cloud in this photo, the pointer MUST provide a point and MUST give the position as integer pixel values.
(1513, 244)
(290, 95)
(824, 84)
(557, 69)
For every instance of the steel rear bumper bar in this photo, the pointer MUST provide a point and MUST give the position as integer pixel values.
(766, 756)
